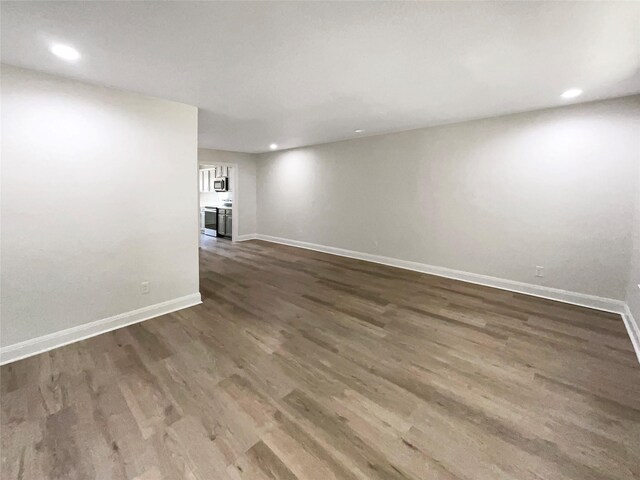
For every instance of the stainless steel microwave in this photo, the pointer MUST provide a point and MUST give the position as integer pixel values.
(221, 184)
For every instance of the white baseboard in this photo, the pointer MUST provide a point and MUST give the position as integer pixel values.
(633, 329)
(245, 237)
(17, 351)
(581, 299)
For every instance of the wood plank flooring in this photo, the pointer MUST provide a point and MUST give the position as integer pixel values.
(303, 365)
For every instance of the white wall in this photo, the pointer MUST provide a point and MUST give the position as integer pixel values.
(496, 196)
(99, 193)
(633, 286)
(246, 188)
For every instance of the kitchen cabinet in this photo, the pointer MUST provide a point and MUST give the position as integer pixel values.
(221, 223)
(206, 176)
(225, 222)
(205, 179)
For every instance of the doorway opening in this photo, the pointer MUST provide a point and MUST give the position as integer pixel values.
(218, 200)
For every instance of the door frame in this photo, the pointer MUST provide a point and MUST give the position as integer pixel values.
(234, 194)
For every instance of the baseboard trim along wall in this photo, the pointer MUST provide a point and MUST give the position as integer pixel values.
(245, 237)
(633, 329)
(17, 351)
(48, 342)
(574, 298)
(581, 299)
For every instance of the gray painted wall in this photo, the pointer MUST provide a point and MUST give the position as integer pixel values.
(497, 196)
(633, 287)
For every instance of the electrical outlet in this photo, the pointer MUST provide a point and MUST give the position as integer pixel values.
(539, 271)
(144, 288)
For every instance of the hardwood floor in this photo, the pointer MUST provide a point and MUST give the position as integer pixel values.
(305, 365)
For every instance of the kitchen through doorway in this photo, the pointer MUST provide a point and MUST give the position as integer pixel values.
(217, 198)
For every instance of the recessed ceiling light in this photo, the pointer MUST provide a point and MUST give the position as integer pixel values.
(358, 130)
(572, 93)
(273, 146)
(65, 52)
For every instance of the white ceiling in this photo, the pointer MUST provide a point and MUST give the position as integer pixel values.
(301, 73)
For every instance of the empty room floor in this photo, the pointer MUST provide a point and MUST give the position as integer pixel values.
(300, 364)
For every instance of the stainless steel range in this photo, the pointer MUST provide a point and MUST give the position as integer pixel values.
(210, 221)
